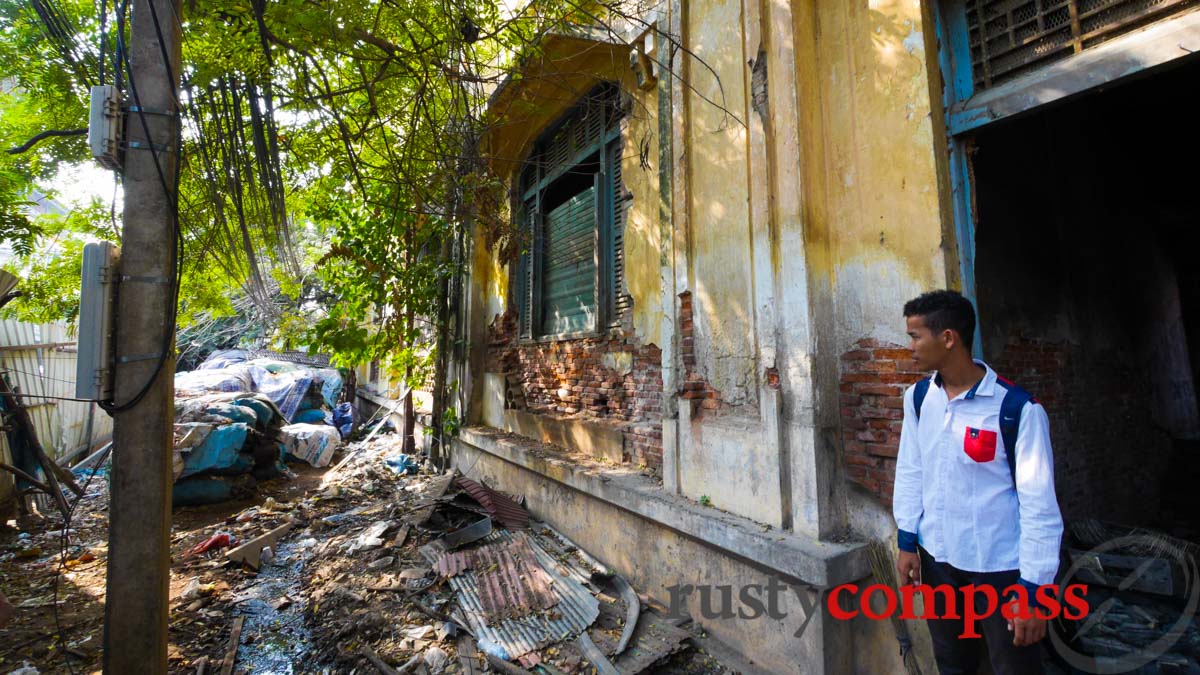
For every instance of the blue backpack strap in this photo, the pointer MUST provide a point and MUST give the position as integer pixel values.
(1014, 402)
(919, 390)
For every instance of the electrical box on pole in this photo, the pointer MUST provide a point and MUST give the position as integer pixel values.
(105, 126)
(93, 370)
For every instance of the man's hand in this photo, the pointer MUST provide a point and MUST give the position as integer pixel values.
(1027, 631)
(909, 567)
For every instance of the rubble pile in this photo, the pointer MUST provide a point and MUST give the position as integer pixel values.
(378, 562)
(1142, 599)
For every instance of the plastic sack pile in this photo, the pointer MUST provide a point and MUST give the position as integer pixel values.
(237, 420)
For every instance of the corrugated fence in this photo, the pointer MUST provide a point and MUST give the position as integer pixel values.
(40, 360)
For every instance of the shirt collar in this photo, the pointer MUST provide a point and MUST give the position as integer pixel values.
(984, 387)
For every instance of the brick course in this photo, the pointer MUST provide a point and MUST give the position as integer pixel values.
(694, 386)
(874, 376)
(1095, 404)
(569, 378)
(1109, 456)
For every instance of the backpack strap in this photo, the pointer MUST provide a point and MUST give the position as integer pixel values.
(1011, 407)
(1014, 402)
(919, 390)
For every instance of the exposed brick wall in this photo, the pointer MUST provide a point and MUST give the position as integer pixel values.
(570, 378)
(874, 376)
(1109, 457)
(694, 386)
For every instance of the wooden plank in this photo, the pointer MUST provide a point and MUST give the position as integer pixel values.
(467, 658)
(1124, 572)
(235, 638)
(26, 477)
(49, 468)
(379, 663)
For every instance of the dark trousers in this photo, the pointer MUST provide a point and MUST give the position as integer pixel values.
(957, 656)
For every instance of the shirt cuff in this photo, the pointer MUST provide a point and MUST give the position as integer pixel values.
(907, 541)
(1031, 590)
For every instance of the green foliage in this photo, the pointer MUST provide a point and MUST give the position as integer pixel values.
(327, 169)
(51, 271)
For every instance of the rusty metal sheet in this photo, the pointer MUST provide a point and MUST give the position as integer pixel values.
(510, 580)
(500, 505)
(574, 607)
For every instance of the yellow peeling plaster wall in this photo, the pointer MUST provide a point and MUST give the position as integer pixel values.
(875, 231)
(720, 274)
(871, 216)
(873, 223)
(643, 240)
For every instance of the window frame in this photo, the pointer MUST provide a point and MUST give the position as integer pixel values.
(603, 152)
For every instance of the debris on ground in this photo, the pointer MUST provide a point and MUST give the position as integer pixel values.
(359, 567)
(1141, 593)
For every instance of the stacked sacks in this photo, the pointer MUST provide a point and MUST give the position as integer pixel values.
(302, 393)
(219, 439)
(237, 416)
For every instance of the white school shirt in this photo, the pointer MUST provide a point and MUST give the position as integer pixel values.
(954, 490)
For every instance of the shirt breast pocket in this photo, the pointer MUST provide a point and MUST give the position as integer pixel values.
(980, 444)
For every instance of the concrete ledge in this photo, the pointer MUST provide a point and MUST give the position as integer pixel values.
(818, 563)
(598, 440)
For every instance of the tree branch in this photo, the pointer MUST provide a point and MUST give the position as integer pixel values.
(49, 133)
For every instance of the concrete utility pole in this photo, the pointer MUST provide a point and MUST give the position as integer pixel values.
(135, 612)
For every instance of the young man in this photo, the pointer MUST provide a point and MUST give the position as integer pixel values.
(969, 509)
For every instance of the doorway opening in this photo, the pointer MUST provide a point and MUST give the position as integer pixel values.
(1088, 289)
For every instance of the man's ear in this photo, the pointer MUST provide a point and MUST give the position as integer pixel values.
(949, 338)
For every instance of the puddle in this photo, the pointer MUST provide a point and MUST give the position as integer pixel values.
(280, 637)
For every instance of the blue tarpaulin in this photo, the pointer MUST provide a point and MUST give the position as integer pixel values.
(220, 452)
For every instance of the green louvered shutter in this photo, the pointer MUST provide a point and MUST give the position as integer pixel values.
(525, 273)
(569, 266)
(621, 301)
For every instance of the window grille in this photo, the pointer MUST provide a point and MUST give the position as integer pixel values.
(1009, 38)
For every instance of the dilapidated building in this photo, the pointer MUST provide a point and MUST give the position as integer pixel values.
(720, 212)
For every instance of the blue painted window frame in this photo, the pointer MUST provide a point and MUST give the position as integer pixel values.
(954, 59)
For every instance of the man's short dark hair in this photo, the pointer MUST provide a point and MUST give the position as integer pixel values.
(945, 309)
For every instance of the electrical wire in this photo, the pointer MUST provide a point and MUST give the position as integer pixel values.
(172, 197)
(64, 543)
(58, 398)
(38, 375)
(177, 268)
(103, 37)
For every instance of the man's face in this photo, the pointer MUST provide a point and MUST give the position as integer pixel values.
(928, 350)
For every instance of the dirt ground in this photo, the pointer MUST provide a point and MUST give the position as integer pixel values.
(326, 603)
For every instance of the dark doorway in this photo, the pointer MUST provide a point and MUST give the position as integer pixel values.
(1087, 234)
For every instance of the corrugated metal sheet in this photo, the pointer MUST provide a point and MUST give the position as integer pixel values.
(510, 580)
(575, 609)
(500, 505)
(47, 370)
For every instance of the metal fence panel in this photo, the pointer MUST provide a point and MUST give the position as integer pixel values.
(40, 360)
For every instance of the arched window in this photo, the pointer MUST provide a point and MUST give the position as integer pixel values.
(570, 277)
